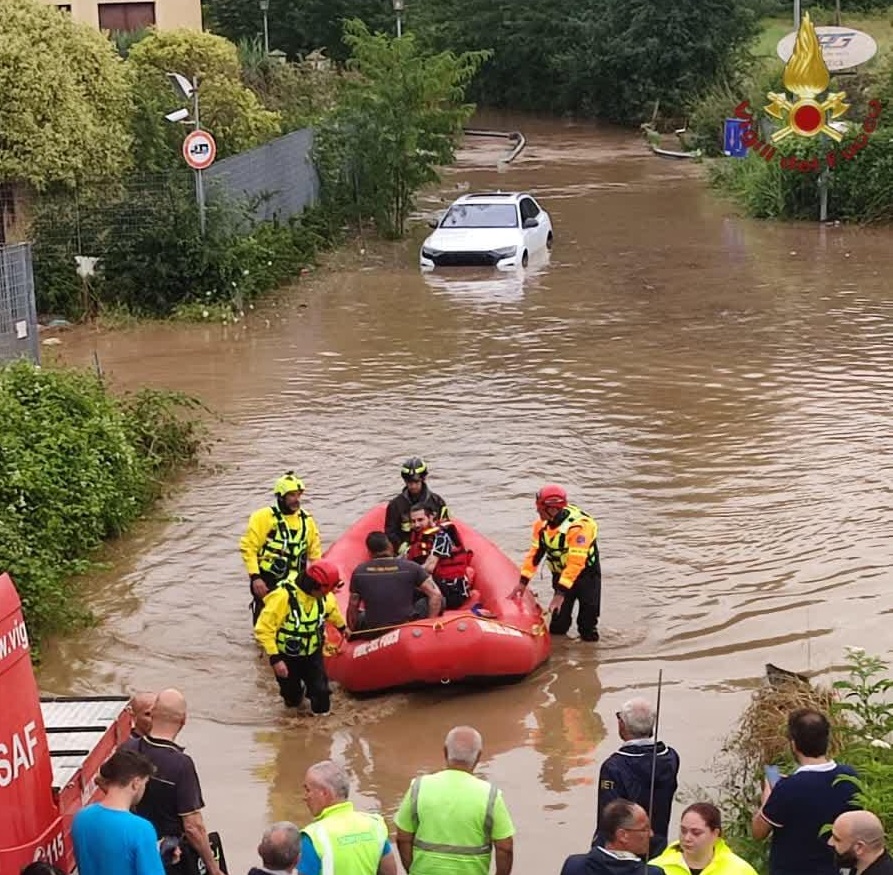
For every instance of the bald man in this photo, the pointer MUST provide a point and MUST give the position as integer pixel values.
(140, 708)
(453, 821)
(857, 839)
(173, 798)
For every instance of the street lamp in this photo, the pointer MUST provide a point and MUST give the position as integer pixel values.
(265, 8)
(399, 6)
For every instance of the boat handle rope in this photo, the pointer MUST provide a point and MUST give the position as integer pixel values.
(536, 631)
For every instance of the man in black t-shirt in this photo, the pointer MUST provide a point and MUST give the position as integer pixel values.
(857, 840)
(173, 799)
(392, 590)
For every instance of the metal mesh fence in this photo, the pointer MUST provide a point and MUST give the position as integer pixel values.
(277, 180)
(18, 316)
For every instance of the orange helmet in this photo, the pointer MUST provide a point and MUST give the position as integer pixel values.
(551, 497)
(325, 575)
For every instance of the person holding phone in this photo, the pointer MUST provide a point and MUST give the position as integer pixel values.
(796, 808)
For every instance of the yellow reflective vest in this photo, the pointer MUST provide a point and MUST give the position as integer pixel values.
(272, 534)
(292, 623)
(568, 548)
(348, 842)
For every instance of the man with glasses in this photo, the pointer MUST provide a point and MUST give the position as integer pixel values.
(626, 831)
(291, 630)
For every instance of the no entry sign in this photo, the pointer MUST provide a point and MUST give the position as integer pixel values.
(199, 150)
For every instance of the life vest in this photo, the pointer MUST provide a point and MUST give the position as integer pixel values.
(553, 541)
(301, 633)
(347, 842)
(452, 567)
(284, 542)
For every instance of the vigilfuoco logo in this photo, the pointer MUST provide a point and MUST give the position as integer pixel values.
(806, 77)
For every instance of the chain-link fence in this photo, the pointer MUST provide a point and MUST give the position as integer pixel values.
(18, 315)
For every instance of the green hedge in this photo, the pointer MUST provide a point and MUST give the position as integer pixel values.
(77, 465)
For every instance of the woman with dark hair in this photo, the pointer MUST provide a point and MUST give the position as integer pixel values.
(700, 849)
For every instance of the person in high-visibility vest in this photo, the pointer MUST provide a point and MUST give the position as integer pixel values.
(279, 541)
(451, 823)
(567, 538)
(341, 840)
(291, 630)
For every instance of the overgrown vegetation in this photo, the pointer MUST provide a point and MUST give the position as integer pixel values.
(608, 58)
(398, 119)
(154, 258)
(78, 465)
(861, 716)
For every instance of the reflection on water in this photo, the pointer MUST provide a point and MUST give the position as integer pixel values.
(717, 392)
(479, 287)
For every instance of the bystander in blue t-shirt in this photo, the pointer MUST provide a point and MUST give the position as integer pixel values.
(797, 809)
(108, 841)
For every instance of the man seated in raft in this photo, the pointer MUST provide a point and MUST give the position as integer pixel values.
(436, 546)
(392, 590)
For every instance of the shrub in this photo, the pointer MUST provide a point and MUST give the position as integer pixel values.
(77, 465)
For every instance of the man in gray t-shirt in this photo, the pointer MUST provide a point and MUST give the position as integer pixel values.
(392, 590)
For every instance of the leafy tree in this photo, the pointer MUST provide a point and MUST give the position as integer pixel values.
(229, 109)
(397, 121)
(298, 27)
(627, 54)
(64, 98)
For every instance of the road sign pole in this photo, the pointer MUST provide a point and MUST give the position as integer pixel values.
(199, 179)
(200, 199)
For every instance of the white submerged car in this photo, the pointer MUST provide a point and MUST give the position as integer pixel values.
(492, 229)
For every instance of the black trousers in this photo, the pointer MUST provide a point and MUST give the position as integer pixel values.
(306, 675)
(587, 590)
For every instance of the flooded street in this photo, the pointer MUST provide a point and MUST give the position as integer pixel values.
(717, 392)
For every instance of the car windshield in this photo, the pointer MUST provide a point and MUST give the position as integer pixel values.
(481, 216)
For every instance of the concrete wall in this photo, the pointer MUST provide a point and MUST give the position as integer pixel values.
(169, 14)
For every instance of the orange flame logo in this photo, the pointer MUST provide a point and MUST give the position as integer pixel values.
(806, 76)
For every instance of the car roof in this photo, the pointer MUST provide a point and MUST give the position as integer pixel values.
(495, 197)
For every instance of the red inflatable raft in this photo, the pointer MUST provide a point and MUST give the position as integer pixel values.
(457, 646)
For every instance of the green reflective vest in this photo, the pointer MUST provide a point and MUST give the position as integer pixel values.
(347, 842)
(435, 835)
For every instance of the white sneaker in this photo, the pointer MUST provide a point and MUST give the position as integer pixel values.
(320, 714)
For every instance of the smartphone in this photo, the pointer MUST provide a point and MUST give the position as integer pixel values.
(773, 774)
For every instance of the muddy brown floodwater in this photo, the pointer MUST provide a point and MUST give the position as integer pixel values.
(718, 392)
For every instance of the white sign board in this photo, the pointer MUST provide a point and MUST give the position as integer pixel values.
(842, 47)
(199, 150)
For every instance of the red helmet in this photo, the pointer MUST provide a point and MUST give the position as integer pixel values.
(325, 575)
(551, 497)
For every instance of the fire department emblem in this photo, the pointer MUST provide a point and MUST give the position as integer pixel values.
(806, 77)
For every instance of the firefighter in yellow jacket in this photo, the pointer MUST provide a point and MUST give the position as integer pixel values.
(279, 541)
(566, 537)
(291, 630)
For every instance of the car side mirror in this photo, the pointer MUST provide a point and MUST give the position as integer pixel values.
(433, 222)
(531, 223)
